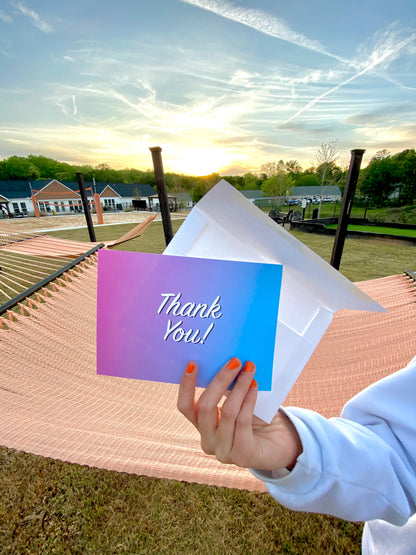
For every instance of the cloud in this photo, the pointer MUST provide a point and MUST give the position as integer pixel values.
(6, 18)
(384, 115)
(34, 17)
(390, 136)
(386, 50)
(260, 21)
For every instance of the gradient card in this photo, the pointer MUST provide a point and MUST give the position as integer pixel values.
(157, 312)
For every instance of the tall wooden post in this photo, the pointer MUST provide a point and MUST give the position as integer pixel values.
(83, 193)
(98, 209)
(35, 206)
(348, 197)
(161, 192)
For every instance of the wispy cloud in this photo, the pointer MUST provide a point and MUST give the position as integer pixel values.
(262, 22)
(34, 17)
(5, 17)
(384, 53)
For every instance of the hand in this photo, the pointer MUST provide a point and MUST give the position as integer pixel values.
(231, 432)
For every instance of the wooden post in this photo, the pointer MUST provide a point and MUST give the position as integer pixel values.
(35, 206)
(98, 209)
(161, 191)
(80, 179)
(348, 197)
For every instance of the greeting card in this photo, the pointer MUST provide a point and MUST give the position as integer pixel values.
(157, 312)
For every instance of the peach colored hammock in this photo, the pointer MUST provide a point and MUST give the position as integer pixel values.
(27, 258)
(53, 404)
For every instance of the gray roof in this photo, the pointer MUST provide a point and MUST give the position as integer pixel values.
(252, 193)
(15, 189)
(182, 196)
(127, 189)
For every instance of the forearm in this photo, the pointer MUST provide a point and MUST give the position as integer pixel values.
(345, 470)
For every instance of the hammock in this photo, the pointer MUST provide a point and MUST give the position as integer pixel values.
(53, 404)
(47, 246)
(29, 258)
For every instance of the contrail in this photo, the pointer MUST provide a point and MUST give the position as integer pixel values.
(262, 22)
(34, 16)
(376, 58)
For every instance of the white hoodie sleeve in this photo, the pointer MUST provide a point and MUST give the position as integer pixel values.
(361, 466)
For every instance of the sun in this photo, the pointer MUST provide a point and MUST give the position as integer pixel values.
(196, 161)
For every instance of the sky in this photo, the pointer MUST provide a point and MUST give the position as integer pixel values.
(221, 86)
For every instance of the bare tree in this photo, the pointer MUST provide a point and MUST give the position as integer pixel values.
(326, 155)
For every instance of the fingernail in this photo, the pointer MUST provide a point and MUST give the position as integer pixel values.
(249, 366)
(190, 368)
(253, 384)
(233, 364)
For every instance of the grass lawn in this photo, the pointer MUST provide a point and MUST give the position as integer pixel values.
(389, 214)
(362, 258)
(49, 506)
(379, 229)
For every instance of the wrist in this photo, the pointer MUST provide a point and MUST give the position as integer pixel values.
(293, 442)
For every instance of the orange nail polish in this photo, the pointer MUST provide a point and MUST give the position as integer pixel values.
(249, 366)
(253, 384)
(233, 364)
(190, 368)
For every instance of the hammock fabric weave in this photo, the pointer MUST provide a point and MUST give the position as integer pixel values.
(53, 404)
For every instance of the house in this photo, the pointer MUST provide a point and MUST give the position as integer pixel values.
(183, 201)
(15, 198)
(119, 196)
(252, 194)
(176, 201)
(53, 197)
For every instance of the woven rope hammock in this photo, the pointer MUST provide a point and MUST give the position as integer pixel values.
(53, 404)
(29, 258)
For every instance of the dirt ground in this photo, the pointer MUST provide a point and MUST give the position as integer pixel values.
(67, 221)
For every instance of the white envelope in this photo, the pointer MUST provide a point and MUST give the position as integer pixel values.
(225, 225)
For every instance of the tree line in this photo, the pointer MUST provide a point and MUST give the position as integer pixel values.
(390, 179)
(387, 179)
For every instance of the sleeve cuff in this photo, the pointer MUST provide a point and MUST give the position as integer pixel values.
(308, 468)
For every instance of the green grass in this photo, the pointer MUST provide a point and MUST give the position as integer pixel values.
(54, 507)
(379, 229)
(153, 239)
(49, 506)
(389, 214)
(362, 258)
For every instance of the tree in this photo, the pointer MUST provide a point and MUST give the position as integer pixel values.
(278, 185)
(269, 169)
(326, 155)
(236, 181)
(294, 168)
(406, 175)
(307, 180)
(18, 167)
(380, 180)
(251, 181)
